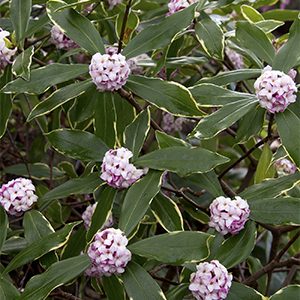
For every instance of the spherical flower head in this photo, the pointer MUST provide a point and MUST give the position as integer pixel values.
(108, 253)
(61, 40)
(17, 196)
(88, 214)
(113, 3)
(116, 169)
(109, 71)
(228, 216)
(6, 53)
(235, 58)
(211, 281)
(275, 90)
(177, 5)
(284, 167)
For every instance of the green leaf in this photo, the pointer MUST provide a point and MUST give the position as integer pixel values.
(169, 96)
(3, 227)
(135, 133)
(164, 140)
(113, 288)
(167, 213)
(14, 244)
(20, 11)
(289, 292)
(38, 171)
(36, 226)
(105, 200)
(81, 185)
(288, 55)
(60, 273)
(290, 138)
(40, 247)
(106, 118)
(59, 97)
(227, 77)
(5, 102)
(7, 290)
(253, 38)
(182, 160)
(160, 35)
(76, 26)
(263, 164)
(77, 144)
(281, 14)
(271, 187)
(137, 201)
(178, 292)
(251, 14)
(240, 291)
(237, 248)
(269, 25)
(140, 285)
(223, 118)
(207, 94)
(277, 211)
(22, 63)
(43, 78)
(255, 265)
(210, 36)
(175, 247)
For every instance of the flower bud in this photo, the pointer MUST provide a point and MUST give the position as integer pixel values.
(61, 40)
(17, 196)
(177, 5)
(113, 3)
(235, 58)
(275, 90)
(210, 281)
(108, 253)
(228, 216)
(6, 53)
(284, 166)
(88, 214)
(117, 171)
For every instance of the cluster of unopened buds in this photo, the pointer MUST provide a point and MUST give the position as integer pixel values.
(284, 166)
(235, 58)
(6, 53)
(60, 40)
(17, 196)
(108, 253)
(275, 90)
(211, 281)
(116, 169)
(109, 71)
(169, 124)
(88, 214)
(177, 5)
(228, 216)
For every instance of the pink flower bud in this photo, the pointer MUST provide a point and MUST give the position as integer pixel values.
(275, 90)
(108, 253)
(228, 216)
(210, 281)
(117, 171)
(17, 196)
(169, 124)
(61, 40)
(113, 3)
(177, 5)
(235, 58)
(6, 54)
(284, 166)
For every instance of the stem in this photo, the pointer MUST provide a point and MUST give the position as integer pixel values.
(123, 28)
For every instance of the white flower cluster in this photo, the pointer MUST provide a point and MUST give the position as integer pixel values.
(109, 71)
(108, 253)
(228, 216)
(17, 196)
(116, 169)
(275, 90)
(284, 166)
(169, 124)
(177, 5)
(61, 40)
(113, 3)
(5, 53)
(211, 281)
(88, 214)
(235, 58)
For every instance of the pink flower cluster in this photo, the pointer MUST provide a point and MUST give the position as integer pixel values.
(275, 90)
(17, 196)
(235, 58)
(108, 253)
(284, 166)
(61, 40)
(88, 214)
(177, 5)
(109, 71)
(170, 124)
(211, 281)
(5, 53)
(117, 171)
(228, 216)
